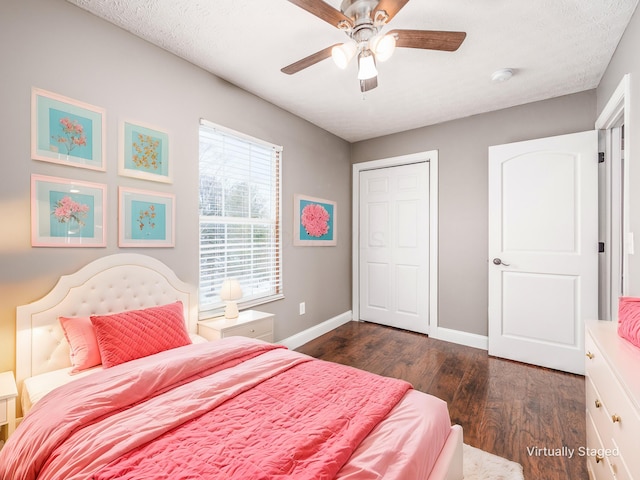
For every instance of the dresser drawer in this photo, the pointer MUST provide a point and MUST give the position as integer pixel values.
(256, 329)
(619, 465)
(616, 418)
(599, 467)
(599, 414)
(625, 431)
(250, 323)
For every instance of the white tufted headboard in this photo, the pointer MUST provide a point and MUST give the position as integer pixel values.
(110, 284)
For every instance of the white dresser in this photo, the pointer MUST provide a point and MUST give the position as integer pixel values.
(250, 323)
(613, 403)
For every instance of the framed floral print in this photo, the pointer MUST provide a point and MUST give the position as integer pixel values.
(314, 221)
(67, 213)
(67, 131)
(145, 219)
(144, 153)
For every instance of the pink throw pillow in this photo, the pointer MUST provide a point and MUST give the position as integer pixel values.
(629, 319)
(82, 341)
(135, 334)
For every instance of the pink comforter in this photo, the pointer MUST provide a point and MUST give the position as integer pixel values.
(238, 408)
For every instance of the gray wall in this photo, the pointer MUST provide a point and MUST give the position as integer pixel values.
(463, 162)
(626, 60)
(53, 45)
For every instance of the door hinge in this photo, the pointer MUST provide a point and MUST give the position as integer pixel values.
(600, 247)
(600, 157)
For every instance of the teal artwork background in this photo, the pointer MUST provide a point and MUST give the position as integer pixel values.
(141, 228)
(66, 229)
(303, 233)
(131, 135)
(56, 130)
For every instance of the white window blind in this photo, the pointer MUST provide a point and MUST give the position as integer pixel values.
(239, 216)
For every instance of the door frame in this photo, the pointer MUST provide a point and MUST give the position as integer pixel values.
(615, 113)
(430, 156)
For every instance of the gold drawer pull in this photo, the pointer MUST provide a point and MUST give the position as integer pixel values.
(598, 403)
(252, 330)
(599, 458)
(616, 418)
(589, 355)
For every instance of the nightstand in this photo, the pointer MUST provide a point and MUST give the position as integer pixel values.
(8, 394)
(250, 323)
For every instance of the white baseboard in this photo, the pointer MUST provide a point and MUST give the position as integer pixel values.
(445, 334)
(461, 338)
(299, 339)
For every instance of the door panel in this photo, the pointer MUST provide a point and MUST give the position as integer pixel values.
(548, 200)
(543, 228)
(394, 246)
(550, 314)
(377, 278)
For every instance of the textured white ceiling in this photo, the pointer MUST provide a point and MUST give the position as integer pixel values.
(555, 47)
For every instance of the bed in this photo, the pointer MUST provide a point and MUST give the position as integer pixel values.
(234, 408)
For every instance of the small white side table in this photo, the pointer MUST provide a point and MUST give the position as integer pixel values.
(250, 323)
(8, 395)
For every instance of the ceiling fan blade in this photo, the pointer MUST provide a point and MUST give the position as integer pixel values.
(391, 7)
(323, 11)
(429, 39)
(368, 84)
(308, 61)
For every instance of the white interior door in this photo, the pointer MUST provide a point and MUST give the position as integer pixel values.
(394, 246)
(543, 249)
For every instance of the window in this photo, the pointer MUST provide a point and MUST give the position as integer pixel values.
(239, 216)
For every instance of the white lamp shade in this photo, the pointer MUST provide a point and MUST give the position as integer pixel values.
(383, 46)
(366, 65)
(342, 54)
(230, 290)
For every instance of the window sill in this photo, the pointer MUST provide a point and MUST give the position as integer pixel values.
(219, 311)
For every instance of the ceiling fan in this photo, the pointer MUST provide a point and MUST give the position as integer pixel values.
(362, 21)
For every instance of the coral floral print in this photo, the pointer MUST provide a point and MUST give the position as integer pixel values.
(315, 220)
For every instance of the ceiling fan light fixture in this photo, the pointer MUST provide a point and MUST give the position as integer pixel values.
(366, 65)
(501, 75)
(383, 46)
(342, 54)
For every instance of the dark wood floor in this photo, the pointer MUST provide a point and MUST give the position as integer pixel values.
(504, 407)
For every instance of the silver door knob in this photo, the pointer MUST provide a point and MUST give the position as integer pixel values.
(497, 261)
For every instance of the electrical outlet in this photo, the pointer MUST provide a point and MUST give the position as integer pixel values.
(302, 308)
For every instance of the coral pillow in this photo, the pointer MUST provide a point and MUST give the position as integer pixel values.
(139, 333)
(629, 319)
(82, 342)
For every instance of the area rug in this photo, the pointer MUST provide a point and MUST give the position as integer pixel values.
(481, 465)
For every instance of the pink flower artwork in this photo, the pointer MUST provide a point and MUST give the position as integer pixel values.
(72, 134)
(315, 220)
(66, 210)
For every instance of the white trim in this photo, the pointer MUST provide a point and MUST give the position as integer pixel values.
(617, 106)
(438, 333)
(617, 112)
(299, 339)
(461, 338)
(244, 136)
(430, 156)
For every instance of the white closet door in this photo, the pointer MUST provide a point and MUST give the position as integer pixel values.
(394, 246)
